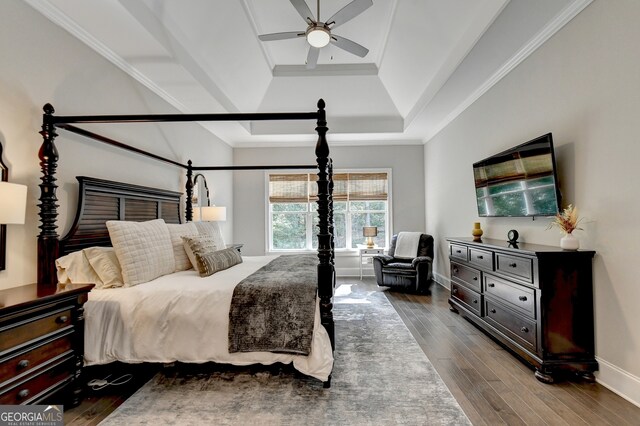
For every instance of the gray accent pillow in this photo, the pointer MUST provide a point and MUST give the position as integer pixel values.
(212, 262)
(199, 244)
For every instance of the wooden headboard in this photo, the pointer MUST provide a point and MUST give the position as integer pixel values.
(101, 200)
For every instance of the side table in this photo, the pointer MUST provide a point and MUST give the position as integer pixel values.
(366, 253)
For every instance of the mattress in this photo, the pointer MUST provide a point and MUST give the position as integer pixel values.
(182, 317)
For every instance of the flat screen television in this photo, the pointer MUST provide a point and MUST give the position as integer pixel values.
(520, 181)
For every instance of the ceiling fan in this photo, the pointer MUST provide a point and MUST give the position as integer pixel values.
(319, 34)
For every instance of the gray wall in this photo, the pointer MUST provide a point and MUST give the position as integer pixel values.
(584, 86)
(42, 63)
(249, 196)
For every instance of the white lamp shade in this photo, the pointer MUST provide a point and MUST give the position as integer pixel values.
(210, 214)
(13, 203)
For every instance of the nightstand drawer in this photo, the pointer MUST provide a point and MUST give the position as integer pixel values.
(519, 267)
(518, 297)
(33, 388)
(467, 276)
(34, 327)
(24, 362)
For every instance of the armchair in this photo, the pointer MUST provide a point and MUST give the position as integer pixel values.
(409, 274)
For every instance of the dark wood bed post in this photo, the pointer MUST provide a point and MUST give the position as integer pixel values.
(325, 268)
(48, 239)
(189, 187)
(331, 224)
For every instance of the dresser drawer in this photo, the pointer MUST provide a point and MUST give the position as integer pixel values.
(22, 363)
(518, 297)
(481, 258)
(467, 276)
(519, 267)
(467, 297)
(519, 329)
(459, 252)
(33, 327)
(34, 387)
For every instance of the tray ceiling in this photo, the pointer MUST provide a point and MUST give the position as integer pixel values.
(428, 59)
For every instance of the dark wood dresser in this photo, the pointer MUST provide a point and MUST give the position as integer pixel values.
(536, 300)
(42, 344)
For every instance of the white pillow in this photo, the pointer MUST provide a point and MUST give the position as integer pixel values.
(177, 231)
(212, 229)
(144, 249)
(75, 268)
(105, 263)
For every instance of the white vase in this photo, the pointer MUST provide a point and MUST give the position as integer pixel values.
(569, 242)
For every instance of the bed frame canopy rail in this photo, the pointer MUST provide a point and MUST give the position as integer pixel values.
(51, 246)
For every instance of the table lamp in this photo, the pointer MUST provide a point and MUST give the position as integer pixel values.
(370, 232)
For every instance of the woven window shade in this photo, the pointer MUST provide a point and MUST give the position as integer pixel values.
(367, 186)
(302, 188)
(289, 188)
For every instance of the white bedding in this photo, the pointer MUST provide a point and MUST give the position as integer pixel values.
(182, 317)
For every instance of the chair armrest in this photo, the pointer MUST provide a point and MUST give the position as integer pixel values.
(383, 258)
(422, 259)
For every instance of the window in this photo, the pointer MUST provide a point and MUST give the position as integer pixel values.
(359, 199)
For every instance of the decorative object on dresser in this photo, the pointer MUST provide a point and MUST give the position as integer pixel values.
(409, 273)
(512, 237)
(567, 221)
(477, 232)
(42, 344)
(536, 300)
(13, 202)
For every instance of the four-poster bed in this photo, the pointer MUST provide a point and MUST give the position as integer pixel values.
(100, 200)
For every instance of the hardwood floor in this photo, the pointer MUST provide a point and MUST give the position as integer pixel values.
(491, 385)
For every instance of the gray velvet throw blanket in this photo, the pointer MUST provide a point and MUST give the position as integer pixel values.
(273, 309)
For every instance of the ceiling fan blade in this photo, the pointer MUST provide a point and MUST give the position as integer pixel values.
(312, 57)
(303, 10)
(349, 46)
(280, 36)
(350, 11)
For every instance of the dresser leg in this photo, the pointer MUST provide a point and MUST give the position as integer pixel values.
(587, 376)
(544, 377)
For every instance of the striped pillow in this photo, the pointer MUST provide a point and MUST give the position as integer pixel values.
(211, 262)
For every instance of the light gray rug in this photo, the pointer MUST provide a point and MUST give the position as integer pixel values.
(380, 377)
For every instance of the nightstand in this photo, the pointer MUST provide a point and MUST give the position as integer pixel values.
(366, 253)
(42, 344)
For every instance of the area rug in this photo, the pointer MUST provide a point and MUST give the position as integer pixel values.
(380, 377)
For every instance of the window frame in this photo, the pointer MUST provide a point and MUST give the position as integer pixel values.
(311, 230)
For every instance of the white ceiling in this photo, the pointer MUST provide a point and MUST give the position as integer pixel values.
(428, 59)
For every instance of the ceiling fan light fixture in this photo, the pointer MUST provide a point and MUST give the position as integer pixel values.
(318, 36)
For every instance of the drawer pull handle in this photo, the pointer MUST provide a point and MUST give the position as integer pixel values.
(23, 364)
(455, 270)
(62, 319)
(475, 300)
(23, 393)
(523, 298)
(491, 285)
(493, 311)
(458, 251)
(475, 278)
(480, 257)
(513, 265)
(524, 329)
(455, 291)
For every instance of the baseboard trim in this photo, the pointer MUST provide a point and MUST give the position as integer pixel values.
(442, 280)
(619, 381)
